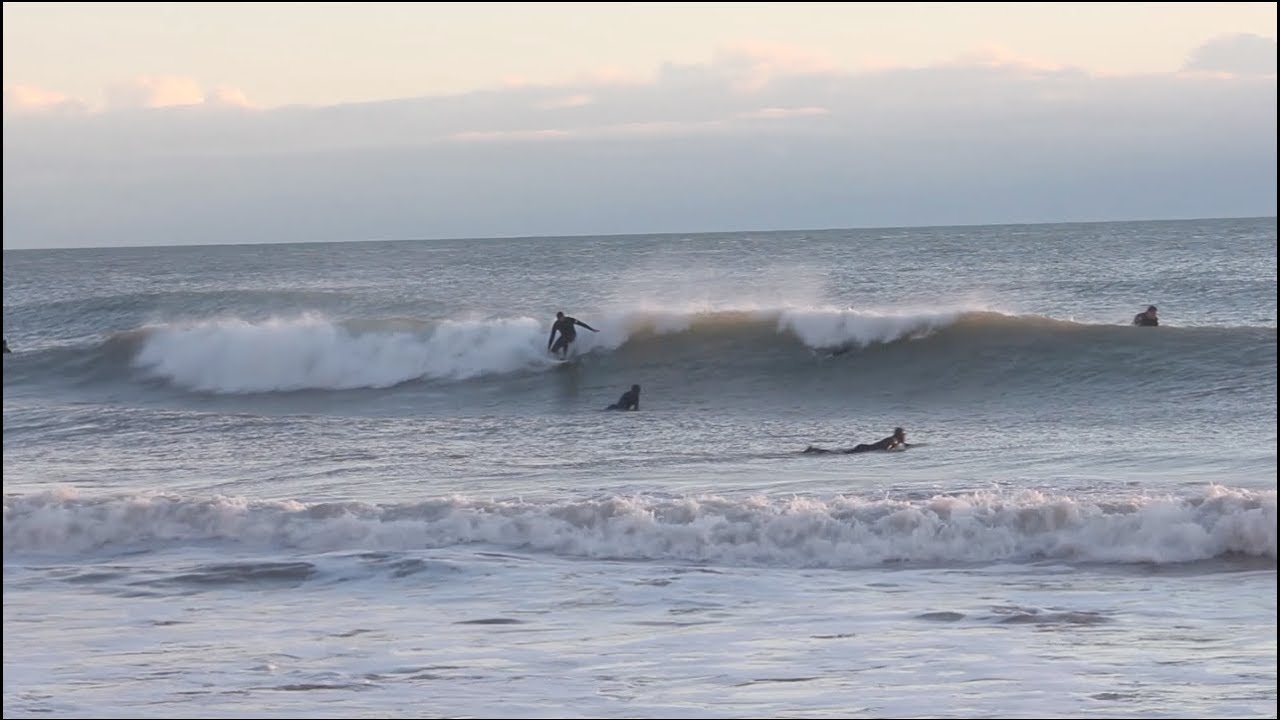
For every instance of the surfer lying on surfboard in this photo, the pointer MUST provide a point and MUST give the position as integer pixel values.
(897, 440)
(565, 325)
(1149, 318)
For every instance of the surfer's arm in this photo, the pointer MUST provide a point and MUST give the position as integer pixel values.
(586, 326)
(552, 338)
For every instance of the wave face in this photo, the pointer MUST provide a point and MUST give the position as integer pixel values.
(842, 532)
(773, 349)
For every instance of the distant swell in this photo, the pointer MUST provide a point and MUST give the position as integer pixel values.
(841, 532)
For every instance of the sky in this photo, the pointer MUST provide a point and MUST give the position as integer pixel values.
(179, 123)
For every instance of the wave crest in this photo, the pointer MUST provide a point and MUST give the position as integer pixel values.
(313, 352)
(971, 348)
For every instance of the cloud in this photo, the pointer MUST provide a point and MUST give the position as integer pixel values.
(566, 101)
(610, 75)
(228, 96)
(979, 139)
(29, 98)
(748, 67)
(1243, 54)
(146, 92)
(155, 91)
(775, 58)
(1002, 57)
(509, 135)
(778, 113)
(615, 131)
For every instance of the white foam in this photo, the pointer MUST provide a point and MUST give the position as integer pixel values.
(236, 356)
(836, 327)
(837, 532)
(232, 355)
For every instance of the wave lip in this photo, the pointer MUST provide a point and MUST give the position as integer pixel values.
(841, 532)
(834, 328)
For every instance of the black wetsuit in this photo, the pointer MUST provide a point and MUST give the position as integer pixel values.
(884, 444)
(1145, 320)
(630, 400)
(6, 346)
(567, 332)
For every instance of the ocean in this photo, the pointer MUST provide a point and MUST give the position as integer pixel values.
(347, 480)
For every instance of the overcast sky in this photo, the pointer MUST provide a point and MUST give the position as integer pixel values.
(144, 124)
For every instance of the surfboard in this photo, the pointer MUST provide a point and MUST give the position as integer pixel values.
(815, 450)
(572, 356)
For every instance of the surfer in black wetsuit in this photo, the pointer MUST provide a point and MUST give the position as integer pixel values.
(1148, 318)
(6, 347)
(630, 400)
(565, 325)
(896, 440)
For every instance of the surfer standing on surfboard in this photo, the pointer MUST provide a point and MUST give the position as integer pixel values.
(565, 325)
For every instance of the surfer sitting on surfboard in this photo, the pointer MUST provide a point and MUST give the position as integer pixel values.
(568, 334)
(897, 440)
(630, 400)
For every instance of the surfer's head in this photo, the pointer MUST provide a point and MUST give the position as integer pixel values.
(1151, 309)
(635, 388)
(899, 433)
(560, 316)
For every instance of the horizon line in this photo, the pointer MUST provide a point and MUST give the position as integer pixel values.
(641, 234)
